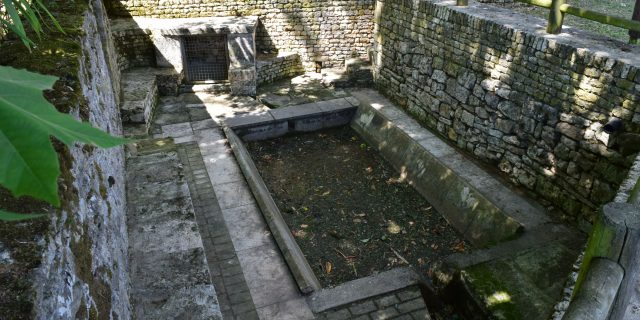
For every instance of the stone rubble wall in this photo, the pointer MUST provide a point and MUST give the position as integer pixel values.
(134, 48)
(334, 29)
(283, 66)
(489, 81)
(84, 269)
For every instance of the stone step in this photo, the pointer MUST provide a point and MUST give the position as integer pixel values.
(139, 95)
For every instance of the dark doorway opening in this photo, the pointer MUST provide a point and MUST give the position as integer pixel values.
(206, 57)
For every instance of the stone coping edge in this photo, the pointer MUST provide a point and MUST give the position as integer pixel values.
(307, 110)
(467, 209)
(298, 264)
(363, 288)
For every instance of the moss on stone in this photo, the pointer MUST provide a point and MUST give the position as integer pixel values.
(99, 289)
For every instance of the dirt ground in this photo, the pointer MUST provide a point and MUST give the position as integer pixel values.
(348, 209)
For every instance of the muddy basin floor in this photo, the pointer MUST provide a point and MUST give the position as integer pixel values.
(349, 210)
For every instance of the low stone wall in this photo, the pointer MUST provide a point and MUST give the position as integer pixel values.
(335, 29)
(531, 105)
(280, 67)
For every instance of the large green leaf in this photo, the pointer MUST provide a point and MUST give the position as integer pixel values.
(28, 162)
(10, 216)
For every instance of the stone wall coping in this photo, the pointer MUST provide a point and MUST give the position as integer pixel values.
(188, 26)
(583, 41)
(294, 112)
(362, 288)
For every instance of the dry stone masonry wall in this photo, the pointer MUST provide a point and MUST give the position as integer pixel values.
(334, 29)
(134, 47)
(280, 67)
(534, 106)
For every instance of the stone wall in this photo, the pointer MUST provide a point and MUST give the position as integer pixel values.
(134, 48)
(280, 67)
(489, 80)
(82, 266)
(336, 29)
(84, 269)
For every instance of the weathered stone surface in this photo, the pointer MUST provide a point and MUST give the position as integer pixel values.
(285, 65)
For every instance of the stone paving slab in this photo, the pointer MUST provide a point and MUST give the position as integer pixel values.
(233, 293)
(169, 274)
(267, 276)
(250, 230)
(233, 194)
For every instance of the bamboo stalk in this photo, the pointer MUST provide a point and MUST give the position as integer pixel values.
(601, 17)
(537, 3)
(563, 8)
(556, 17)
(635, 35)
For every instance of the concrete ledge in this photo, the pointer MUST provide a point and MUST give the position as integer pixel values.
(362, 288)
(479, 206)
(300, 118)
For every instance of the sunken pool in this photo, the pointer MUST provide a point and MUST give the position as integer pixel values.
(352, 214)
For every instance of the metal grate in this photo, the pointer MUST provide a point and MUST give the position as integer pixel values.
(206, 57)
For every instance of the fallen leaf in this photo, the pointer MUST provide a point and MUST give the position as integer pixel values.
(459, 247)
(328, 267)
(365, 240)
(393, 227)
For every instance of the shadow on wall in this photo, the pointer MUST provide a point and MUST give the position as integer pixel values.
(134, 45)
(531, 106)
(331, 29)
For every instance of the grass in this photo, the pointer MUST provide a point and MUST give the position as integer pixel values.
(620, 8)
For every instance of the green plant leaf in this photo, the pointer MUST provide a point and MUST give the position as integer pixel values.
(10, 216)
(28, 162)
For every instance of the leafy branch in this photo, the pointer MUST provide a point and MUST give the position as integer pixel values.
(28, 162)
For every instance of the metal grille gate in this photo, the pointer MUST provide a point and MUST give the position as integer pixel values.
(206, 57)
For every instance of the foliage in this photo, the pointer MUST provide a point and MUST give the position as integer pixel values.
(28, 162)
(32, 11)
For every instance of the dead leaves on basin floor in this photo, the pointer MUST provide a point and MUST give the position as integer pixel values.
(350, 212)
